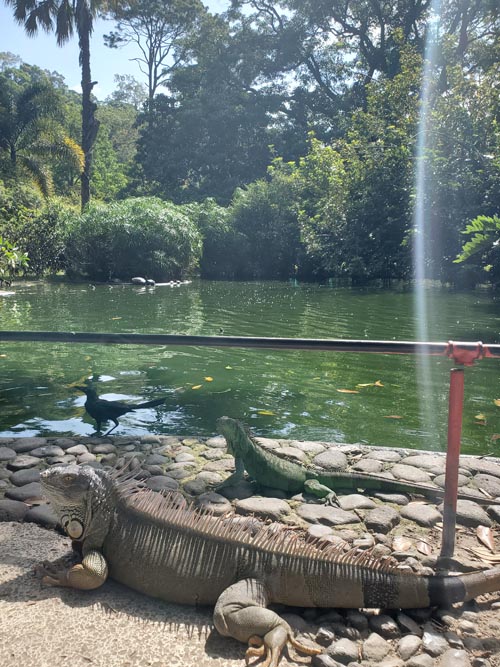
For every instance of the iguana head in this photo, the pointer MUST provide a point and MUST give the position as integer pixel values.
(77, 494)
(232, 430)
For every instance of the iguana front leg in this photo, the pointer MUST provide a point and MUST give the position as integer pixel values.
(241, 613)
(91, 573)
(319, 490)
(237, 476)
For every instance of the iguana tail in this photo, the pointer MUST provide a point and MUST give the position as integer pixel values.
(355, 480)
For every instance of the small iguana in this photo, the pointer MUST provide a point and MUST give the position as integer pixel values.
(149, 542)
(270, 470)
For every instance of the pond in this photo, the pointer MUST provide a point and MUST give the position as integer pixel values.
(298, 395)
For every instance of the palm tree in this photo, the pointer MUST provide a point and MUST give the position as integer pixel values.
(66, 16)
(30, 131)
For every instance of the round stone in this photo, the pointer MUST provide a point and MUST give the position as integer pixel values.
(455, 658)
(214, 502)
(368, 466)
(382, 519)
(375, 648)
(12, 510)
(424, 515)
(196, 486)
(184, 457)
(156, 460)
(384, 625)
(218, 442)
(332, 459)
(344, 651)
(319, 531)
(267, 508)
(212, 454)
(432, 642)
(22, 445)
(355, 501)
(64, 443)
(408, 646)
(471, 514)
(386, 455)
(410, 473)
(76, 450)
(330, 516)
(488, 483)
(87, 457)
(290, 453)
(22, 462)
(159, 483)
(47, 450)
(7, 454)
(32, 490)
(105, 448)
(394, 498)
(307, 446)
(43, 515)
(22, 477)
(426, 461)
(440, 480)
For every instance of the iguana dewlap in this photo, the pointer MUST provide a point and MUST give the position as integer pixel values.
(157, 546)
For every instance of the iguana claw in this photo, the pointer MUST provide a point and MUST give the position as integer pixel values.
(272, 648)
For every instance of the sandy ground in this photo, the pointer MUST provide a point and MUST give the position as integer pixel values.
(110, 627)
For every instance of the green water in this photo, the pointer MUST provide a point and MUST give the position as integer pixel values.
(279, 393)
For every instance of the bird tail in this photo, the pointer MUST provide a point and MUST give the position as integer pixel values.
(150, 404)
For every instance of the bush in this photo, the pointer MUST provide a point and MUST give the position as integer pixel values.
(222, 245)
(35, 226)
(142, 236)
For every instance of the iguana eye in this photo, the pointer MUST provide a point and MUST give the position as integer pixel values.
(67, 478)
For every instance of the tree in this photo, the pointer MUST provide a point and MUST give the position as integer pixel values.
(157, 28)
(128, 91)
(69, 15)
(31, 131)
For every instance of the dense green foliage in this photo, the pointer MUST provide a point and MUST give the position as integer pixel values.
(483, 245)
(285, 133)
(135, 237)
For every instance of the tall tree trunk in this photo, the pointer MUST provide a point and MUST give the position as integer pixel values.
(90, 125)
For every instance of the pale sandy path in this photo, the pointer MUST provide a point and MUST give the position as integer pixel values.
(110, 627)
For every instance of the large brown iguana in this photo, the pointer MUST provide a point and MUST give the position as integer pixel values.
(273, 471)
(147, 541)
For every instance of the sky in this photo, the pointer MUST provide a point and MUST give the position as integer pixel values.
(43, 51)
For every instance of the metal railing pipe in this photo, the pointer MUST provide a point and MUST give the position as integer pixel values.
(324, 344)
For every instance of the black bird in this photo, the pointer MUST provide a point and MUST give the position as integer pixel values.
(102, 410)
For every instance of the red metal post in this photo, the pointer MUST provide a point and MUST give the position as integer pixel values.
(452, 460)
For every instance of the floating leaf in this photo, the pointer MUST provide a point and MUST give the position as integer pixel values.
(495, 436)
(228, 368)
(424, 548)
(400, 543)
(116, 318)
(208, 379)
(197, 386)
(485, 555)
(378, 384)
(480, 417)
(393, 417)
(3, 356)
(266, 412)
(347, 391)
(366, 384)
(485, 535)
(496, 401)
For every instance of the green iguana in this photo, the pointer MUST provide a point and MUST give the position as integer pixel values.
(149, 542)
(270, 470)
